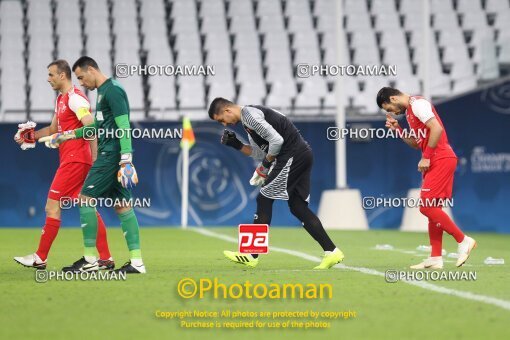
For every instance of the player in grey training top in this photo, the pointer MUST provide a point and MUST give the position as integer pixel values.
(283, 172)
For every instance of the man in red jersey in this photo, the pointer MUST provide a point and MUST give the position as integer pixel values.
(72, 110)
(437, 165)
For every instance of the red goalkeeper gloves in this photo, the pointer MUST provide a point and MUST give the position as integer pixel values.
(25, 136)
(261, 172)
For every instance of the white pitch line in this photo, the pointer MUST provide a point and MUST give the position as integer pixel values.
(416, 253)
(425, 285)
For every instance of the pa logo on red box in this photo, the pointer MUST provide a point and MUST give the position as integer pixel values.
(254, 238)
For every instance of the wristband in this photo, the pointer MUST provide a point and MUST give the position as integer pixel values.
(126, 158)
(266, 163)
(79, 132)
(237, 144)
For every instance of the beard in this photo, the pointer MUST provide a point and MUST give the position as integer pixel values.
(401, 109)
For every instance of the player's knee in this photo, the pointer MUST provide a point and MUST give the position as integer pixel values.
(428, 211)
(121, 209)
(295, 211)
(84, 200)
(297, 207)
(264, 210)
(52, 209)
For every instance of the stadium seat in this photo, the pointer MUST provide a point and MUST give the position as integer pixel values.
(127, 46)
(461, 85)
(161, 94)
(254, 45)
(250, 93)
(98, 45)
(504, 55)
(281, 94)
(70, 42)
(41, 48)
(468, 6)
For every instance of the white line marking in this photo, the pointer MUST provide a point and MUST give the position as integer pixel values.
(425, 285)
(289, 270)
(417, 254)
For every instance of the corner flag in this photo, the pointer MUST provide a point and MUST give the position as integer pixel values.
(188, 137)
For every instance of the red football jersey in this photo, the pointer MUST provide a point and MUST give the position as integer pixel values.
(418, 113)
(75, 150)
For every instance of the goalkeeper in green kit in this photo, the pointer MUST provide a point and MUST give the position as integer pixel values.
(112, 175)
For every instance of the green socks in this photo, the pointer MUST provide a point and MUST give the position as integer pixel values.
(131, 232)
(88, 220)
(130, 228)
(135, 254)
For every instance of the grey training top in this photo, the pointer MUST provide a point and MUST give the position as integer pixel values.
(270, 132)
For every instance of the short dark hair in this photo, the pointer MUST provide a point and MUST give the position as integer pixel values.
(217, 105)
(62, 66)
(84, 62)
(384, 94)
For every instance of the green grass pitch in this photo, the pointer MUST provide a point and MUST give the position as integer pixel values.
(126, 309)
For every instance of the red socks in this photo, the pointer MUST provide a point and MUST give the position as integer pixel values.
(49, 232)
(436, 239)
(437, 215)
(101, 241)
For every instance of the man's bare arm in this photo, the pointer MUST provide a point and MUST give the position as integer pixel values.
(87, 120)
(411, 142)
(435, 132)
(48, 130)
(246, 150)
(392, 124)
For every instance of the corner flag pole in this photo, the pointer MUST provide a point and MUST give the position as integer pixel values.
(187, 142)
(185, 185)
(340, 149)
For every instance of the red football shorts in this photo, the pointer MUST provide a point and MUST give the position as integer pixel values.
(68, 180)
(438, 180)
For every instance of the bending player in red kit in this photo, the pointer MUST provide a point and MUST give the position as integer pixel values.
(437, 166)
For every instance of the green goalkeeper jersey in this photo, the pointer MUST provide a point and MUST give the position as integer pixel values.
(112, 103)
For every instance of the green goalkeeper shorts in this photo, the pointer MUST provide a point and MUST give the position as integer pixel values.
(102, 181)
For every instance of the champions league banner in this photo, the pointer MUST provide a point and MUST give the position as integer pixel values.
(478, 125)
(219, 189)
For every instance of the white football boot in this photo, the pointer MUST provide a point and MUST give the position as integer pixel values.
(464, 250)
(435, 262)
(31, 261)
(134, 266)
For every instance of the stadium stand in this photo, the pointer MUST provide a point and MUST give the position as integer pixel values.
(254, 45)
